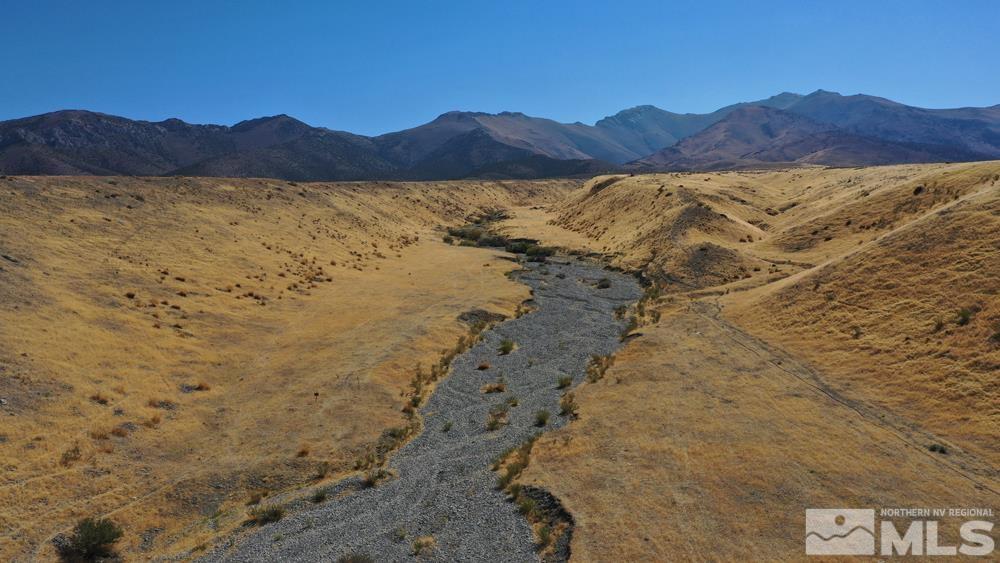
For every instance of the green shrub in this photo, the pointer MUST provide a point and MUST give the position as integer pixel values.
(544, 536)
(539, 251)
(261, 515)
(375, 476)
(517, 247)
(506, 346)
(446, 427)
(541, 418)
(526, 506)
(467, 232)
(492, 240)
(92, 538)
(319, 496)
(964, 316)
(938, 448)
(564, 382)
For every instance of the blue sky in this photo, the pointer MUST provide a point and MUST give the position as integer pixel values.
(373, 67)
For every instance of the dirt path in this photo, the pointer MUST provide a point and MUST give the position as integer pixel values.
(443, 486)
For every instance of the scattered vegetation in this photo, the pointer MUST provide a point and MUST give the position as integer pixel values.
(511, 463)
(506, 346)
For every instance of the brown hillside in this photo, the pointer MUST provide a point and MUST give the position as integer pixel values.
(840, 324)
(170, 348)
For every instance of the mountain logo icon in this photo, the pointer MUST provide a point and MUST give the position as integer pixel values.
(840, 531)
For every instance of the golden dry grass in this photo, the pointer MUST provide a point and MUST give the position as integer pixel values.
(171, 347)
(811, 348)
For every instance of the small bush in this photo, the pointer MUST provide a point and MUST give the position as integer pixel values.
(375, 476)
(604, 283)
(544, 536)
(492, 241)
(938, 448)
(964, 316)
(261, 515)
(322, 470)
(69, 456)
(92, 538)
(517, 247)
(539, 251)
(422, 544)
(355, 558)
(319, 496)
(446, 427)
(541, 418)
(564, 382)
(467, 233)
(498, 387)
(526, 505)
(497, 417)
(633, 323)
(597, 366)
(506, 346)
(567, 405)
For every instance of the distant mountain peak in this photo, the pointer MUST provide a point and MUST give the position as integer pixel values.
(822, 127)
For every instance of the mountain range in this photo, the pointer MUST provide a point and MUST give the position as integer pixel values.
(823, 128)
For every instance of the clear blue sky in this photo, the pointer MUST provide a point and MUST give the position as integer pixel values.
(377, 66)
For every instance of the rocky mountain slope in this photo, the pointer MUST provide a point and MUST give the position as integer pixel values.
(820, 128)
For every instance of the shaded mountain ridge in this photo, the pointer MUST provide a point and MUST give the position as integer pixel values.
(820, 128)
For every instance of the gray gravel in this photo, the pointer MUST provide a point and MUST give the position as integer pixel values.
(444, 486)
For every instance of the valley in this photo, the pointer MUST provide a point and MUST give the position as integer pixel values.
(183, 354)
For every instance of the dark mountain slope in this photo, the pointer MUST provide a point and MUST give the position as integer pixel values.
(975, 129)
(317, 154)
(647, 129)
(754, 136)
(822, 127)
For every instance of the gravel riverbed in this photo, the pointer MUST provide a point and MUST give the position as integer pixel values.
(443, 486)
